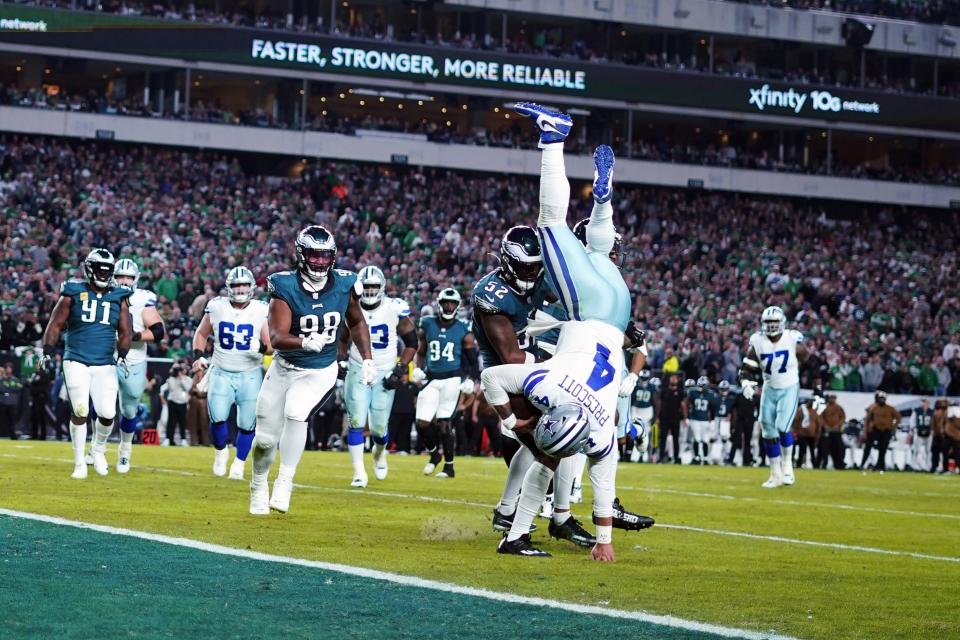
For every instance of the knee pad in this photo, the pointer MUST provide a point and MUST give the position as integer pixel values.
(264, 441)
(81, 410)
(786, 439)
(128, 425)
(381, 439)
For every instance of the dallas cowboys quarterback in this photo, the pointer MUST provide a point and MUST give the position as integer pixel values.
(388, 319)
(307, 309)
(577, 389)
(775, 353)
(237, 327)
(96, 315)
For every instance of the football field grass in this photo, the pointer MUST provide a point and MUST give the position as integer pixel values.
(175, 554)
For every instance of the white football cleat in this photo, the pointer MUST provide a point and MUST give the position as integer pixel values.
(360, 481)
(280, 498)
(429, 468)
(100, 463)
(380, 461)
(123, 459)
(89, 457)
(79, 471)
(220, 457)
(236, 469)
(259, 499)
(776, 477)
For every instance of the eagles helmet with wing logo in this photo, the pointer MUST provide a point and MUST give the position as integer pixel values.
(98, 267)
(316, 253)
(521, 260)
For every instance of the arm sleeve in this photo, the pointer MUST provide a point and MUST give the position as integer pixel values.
(504, 379)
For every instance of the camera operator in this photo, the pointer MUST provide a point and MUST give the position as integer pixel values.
(178, 385)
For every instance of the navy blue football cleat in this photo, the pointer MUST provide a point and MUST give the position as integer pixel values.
(554, 126)
(603, 162)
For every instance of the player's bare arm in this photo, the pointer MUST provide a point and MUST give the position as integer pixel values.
(124, 330)
(359, 330)
(153, 326)
(407, 330)
(279, 318)
(503, 338)
(58, 320)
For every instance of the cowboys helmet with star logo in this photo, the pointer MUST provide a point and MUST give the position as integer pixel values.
(563, 430)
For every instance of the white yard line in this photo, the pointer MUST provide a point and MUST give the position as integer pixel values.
(409, 581)
(457, 501)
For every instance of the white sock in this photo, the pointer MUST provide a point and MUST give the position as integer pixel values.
(600, 230)
(378, 449)
(559, 517)
(286, 471)
(563, 484)
(78, 437)
(554, 187)
(293, 441)
(785, 458)
(511, 489)
(579, 462)
(126, 439)
(535, 485)
(100, 434)
(262, 461)
(356, 457)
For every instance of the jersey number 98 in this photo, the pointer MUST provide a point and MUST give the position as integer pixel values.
(311, 324)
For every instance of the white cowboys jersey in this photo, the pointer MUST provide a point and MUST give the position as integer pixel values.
(383, 321)
(778, 360)
(236, 333)
(140, 300)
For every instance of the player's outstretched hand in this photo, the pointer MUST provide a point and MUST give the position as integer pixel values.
(602, 553)
(200, 364)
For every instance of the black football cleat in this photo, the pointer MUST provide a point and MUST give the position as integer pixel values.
(503, 523)
(522, 546)
(627, 520)
(573, 531)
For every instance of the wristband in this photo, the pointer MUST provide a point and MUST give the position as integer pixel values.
(197, 354)
(49, 350)
(510, 421)
(137, 336)
(604, 534)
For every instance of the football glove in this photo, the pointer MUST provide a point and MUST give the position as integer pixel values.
(44, 362)
(368, 373)
(315, 342)
(818, 404)
(748, 388)
(418, 375)
(393, 380)
(200, 364)
(636, 338)
(203, 383)
(468, 386)
(342, 369)
(627, 384)
(123, 366)
(638, 432)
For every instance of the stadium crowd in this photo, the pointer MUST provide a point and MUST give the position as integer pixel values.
(585, 44)
(702, 265)
(659, 148)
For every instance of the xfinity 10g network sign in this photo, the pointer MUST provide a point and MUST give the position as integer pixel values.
(816, 101)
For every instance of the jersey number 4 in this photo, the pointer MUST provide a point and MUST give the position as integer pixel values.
(768, 358)
(603, 372)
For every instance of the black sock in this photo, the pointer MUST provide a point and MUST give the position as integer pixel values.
(447, 439)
